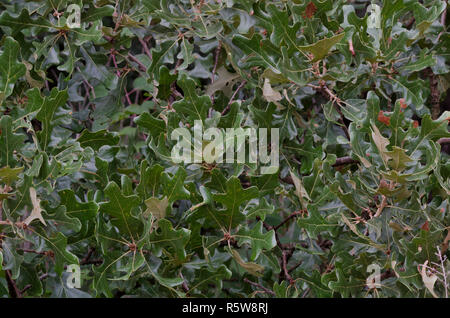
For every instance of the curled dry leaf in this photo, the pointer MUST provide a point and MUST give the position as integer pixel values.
(428, 280)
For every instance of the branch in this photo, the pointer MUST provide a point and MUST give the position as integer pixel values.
(184, 285)
(32, 251)
(134, 59)
(41, 278)
(291, 216)
(295, 266)
(219, 47)
(146, 50)
(88, 256)
(336, 101)
(344, 161)
(284, 267)
(435, 94)
(233, 96)
(266, 290)
(14, 291)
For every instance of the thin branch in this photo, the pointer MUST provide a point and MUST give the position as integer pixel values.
(184, 285)
(266, 290)
(233, 96)
(146, 50)
(88, 256)
(444, 272)
(134, 59)
(32, 251)
(293, 268)
(285, 270)
(14, 291)
(336, 101)
(435, 94)
(41, 278)
(291, 216)
(217, 53)
(344, 161)
(443, 141)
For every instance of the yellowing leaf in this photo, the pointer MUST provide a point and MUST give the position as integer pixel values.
(321, 48)
(381, 142)
(156, 207)
(399, 158)
(300, 190)
(252, 268)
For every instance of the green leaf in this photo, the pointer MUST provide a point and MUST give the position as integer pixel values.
(10, 69)
(234, 196)
(23, 21)
(174, 186)
(281, 28)
(120, 208)
(192, 106)
(9, 142)
(155, 126)
(167, 237)
(9, 175)
(315, 223)
(430, 130)
(259, 52)
(47, 113)
(58, 244)
(97, 139)
(257, 240)
(74, 208)
(158, 58)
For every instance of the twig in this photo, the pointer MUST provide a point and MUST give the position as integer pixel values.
(336, 101)
(293, 268)
(41, 278)
(292, 215)
(259, 286)
(219, 47)
(184, 285)
(444, 272)
(115, 62)
(383, 203)
(88, 256)
(344, 161)
(443, 141)
(233, 96)
(350, 47)
(127, 97)
(306, 292)
(146, 50)
(14, 291)
(285, 270)
(32, 251)
(134, 59)
(443, 21)
(435, 95)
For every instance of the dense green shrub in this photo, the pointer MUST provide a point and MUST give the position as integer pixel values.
(86, 176)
